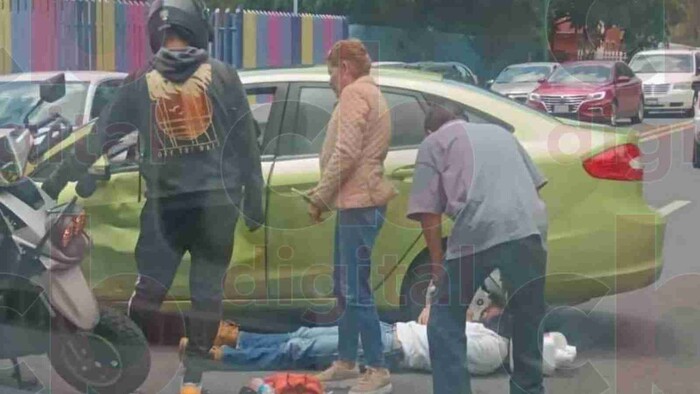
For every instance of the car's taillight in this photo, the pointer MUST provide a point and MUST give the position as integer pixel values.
(69, 227)
(621, 163)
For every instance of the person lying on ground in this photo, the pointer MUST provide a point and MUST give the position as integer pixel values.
(405, 345)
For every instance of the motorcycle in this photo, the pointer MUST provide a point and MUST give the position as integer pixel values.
(46, 304)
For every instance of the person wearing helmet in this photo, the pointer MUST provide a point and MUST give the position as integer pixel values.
(201, 162)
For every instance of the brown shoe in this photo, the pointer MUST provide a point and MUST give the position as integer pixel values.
(373, 381)
(227, 335)
(216, 353)
(339, 370)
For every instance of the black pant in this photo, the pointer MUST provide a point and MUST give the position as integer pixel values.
(169, 228)
(523, 266)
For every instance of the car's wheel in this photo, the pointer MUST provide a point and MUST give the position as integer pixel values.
(614, 120)
(639, 117)
(414, 287)
(113, 358)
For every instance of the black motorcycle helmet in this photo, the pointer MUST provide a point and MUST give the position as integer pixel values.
(188, 18)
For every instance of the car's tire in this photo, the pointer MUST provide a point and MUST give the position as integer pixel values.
(639, 117)
(414, 287)
(113, 358)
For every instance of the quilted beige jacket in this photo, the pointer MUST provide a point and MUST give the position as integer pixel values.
(356, 144)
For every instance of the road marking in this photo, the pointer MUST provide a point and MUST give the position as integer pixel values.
(662, 129)
(665, 133)
(672, 207)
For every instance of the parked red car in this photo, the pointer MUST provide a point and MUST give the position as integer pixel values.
(591, 91)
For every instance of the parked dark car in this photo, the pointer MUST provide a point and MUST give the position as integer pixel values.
(517, 81)
(449, 70)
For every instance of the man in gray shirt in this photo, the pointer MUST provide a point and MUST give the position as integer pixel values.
(480, 177)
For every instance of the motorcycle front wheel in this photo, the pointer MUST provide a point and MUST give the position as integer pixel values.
(113, 358)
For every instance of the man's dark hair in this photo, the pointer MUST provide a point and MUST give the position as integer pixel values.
(438, 115)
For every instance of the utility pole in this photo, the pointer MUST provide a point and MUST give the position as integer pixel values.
(296, 6)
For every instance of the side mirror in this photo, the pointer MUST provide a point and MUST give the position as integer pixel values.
(541, 81)
(489, 83)
(53, 89)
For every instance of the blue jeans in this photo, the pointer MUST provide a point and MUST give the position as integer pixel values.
(355, 233)
(522, 264)
(306, 348)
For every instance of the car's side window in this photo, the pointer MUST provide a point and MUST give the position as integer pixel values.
(104, 93)
(313, 113)
(471, 115)
(627, 71)
(697, 61)
(407, 119)
(261, 101)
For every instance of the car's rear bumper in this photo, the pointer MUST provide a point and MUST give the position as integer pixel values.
(681, 100)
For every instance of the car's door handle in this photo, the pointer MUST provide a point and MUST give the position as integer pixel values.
(402, 173)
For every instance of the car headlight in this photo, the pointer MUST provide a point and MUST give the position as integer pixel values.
(534, 97)
(597, 96)
(683, 86)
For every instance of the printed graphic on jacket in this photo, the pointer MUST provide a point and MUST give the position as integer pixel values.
(183, 114)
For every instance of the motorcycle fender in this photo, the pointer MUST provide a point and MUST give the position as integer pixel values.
(70, 295)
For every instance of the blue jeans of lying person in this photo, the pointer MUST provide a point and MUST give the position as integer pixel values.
(305, 348)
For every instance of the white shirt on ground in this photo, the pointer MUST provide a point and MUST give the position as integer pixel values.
(486, 350)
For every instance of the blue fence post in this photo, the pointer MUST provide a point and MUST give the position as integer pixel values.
(296, 39)
(238, 38)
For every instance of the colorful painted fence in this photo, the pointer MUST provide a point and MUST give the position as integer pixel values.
(42, 35)
(258, 39)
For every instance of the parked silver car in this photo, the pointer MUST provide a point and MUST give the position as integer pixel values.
(519, 80)
(671, 77)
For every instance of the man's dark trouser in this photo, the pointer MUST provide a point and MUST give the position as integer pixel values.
(523, 266)
(169, 228)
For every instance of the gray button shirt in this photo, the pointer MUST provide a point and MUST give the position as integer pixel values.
(482, 178)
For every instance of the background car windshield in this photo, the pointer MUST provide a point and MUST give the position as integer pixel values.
(523, 74)
(17, 98)
(584, 73)
(648, 64)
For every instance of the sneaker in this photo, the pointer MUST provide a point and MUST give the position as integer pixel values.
(374, 381)
(227, 335)
(190, 388)
(339, 370)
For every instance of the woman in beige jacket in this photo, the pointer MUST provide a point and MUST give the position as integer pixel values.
(352, 182)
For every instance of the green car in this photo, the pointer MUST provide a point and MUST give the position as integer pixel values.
(603, 237)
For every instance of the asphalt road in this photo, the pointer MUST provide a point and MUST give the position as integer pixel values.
(645, 341)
